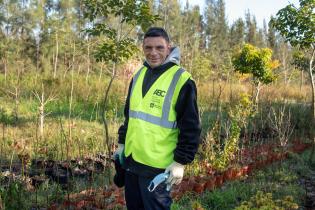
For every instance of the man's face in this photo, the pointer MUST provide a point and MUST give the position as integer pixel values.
(155, 49)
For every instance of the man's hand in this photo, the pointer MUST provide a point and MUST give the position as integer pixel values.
(176, 173)
(118, 151)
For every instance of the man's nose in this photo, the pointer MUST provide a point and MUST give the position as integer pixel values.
(154, 51)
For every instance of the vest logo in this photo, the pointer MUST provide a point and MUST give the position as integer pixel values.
(160, 93)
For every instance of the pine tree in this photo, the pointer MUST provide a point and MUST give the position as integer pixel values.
(190, 40)
(237, 33)
(216, 26)
(272, 37)
(251, 29)
(170, 15)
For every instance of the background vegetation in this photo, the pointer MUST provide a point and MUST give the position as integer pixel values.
(53, 78)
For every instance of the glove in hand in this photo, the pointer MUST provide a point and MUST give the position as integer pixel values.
(119, 152)
(176, 173)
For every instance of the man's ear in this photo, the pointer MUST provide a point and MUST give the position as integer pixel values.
(169, 47)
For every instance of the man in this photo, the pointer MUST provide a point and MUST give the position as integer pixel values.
(161, 129)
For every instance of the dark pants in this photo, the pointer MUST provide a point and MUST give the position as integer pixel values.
(138, 197)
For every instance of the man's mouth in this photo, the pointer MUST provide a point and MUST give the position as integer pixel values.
(154, 60)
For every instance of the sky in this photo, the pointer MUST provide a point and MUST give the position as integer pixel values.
(262, 9)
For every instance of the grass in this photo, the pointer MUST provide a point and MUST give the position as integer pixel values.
(280, 179)
(86, 138)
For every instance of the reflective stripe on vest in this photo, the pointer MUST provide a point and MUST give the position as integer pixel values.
(161, 121)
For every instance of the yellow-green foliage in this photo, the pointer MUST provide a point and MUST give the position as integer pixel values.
(241, 111)
(224, 157)
(255, 61)
(264, 201)
(196, 206)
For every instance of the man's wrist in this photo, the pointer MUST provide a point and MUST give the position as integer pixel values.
(179, 160)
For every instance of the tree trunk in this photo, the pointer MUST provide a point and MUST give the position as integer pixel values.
(256, 98)
(41, 118)
(16, 107)
(2, 143)
(101, 72)
(56, 56)
(42, 113)
(285, 71)
(302, 80)
(310, 72)
(37, 58)
(103, 113)
(5, 69)
(88, 63)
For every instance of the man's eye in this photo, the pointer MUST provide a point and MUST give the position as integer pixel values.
(160, 48)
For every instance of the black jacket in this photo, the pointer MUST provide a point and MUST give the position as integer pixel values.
(187, 121)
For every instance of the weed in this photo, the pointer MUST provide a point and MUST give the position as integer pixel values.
(262, 201)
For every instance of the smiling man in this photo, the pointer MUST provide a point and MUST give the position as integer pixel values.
(161, 128)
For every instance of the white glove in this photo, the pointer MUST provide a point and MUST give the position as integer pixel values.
(118, 151)
(176, 173)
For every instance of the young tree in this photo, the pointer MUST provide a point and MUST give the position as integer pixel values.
(118, 46)
(297, 25)
(258, 62)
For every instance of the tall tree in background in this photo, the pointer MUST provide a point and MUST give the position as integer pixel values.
(3, 39)
(170, 17)
(271, 37)
(217, 42)
(251, 29)
(216, 26)
(297, 25)
(237, 33)
(190, 37)
(17, 36)
(284, 53)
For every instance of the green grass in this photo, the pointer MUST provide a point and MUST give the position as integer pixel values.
(280, 179)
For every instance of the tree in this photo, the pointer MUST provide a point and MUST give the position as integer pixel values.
(190, 36)
(255, 61)
(217, 37)
(117, 46)
(283, 52)
(170, 18)
(237, 33)
(297, 25)
(216, 26)
(251, 28)
(271, 36)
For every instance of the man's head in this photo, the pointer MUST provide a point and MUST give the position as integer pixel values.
(156, 46)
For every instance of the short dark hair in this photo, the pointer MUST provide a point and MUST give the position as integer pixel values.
(157, 32)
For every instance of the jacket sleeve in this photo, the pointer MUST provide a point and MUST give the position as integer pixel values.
(188, 123)
(122, 131)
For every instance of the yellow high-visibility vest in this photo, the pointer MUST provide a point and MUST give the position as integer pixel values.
(152, 132)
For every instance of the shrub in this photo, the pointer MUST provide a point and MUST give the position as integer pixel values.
(264, 201)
